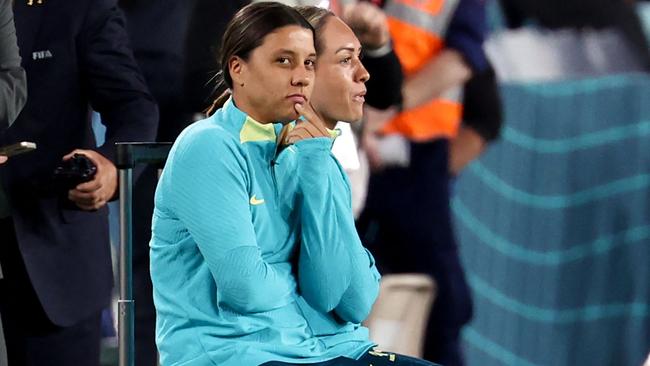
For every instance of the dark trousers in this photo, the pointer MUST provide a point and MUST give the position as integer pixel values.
(406, 224)
(31, 338)
(371, 358)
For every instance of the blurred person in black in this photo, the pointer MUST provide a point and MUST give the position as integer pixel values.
(55, 254)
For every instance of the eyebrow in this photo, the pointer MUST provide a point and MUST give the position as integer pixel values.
(292, 53)
(347, 48)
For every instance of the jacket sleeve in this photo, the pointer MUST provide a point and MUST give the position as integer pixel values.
(482, 106)
(467, 31)
(386, 77)
(208, 183)
(13, 88)
(113, 80)
(335, 272)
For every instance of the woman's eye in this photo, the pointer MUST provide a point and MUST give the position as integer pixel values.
(310, 63)
(283, 61)
(346, 60)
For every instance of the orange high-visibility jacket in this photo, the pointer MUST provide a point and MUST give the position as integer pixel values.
(417, 28)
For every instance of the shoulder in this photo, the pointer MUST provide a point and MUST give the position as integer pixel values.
(206, 152)
(204, 139)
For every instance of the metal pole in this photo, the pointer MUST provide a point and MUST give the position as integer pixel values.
(126, 303)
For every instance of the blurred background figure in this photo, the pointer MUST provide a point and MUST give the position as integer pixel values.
(553, 41)
(618, 15)
(13, 94)
(56, 253)
(554, 219)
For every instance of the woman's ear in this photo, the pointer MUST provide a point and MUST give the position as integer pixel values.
(237, 69)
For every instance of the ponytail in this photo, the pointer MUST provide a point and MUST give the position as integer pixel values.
(218, 102)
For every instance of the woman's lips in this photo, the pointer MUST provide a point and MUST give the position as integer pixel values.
(359, 98)
(297, 98)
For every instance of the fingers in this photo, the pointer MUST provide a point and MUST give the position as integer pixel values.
(72, 153)
(311, 126)
(369, 23)
(302, 131)
(297, 135)
(90, 186)
(313, 130)
(87, 200)
(95, 193)
(88, 195)
(307, 111)
(90, 154)
(3, 159)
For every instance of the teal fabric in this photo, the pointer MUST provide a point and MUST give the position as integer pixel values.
(554, 227)
(337, 275)
(221, 255)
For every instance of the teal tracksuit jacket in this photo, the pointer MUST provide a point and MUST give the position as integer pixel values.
(254, 254)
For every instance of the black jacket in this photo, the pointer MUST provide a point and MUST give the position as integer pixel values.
(76, 54)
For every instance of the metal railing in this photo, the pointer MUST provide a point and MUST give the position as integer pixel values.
(130, 154)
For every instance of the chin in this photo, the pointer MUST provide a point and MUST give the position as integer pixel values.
(289, 117)
(349, 119)
(357, 116)
(349, 116)
(286, 114)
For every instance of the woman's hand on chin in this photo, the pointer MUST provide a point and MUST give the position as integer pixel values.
(310, 126)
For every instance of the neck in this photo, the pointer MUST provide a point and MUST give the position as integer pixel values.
(328, 122)
(245, 107)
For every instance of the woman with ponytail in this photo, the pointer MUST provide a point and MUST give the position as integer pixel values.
(220, 255)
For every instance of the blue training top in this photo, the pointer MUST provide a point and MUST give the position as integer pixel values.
(223, 252)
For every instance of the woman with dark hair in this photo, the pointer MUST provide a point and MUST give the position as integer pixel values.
(220, 256)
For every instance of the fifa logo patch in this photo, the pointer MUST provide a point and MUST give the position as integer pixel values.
(41, 55)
